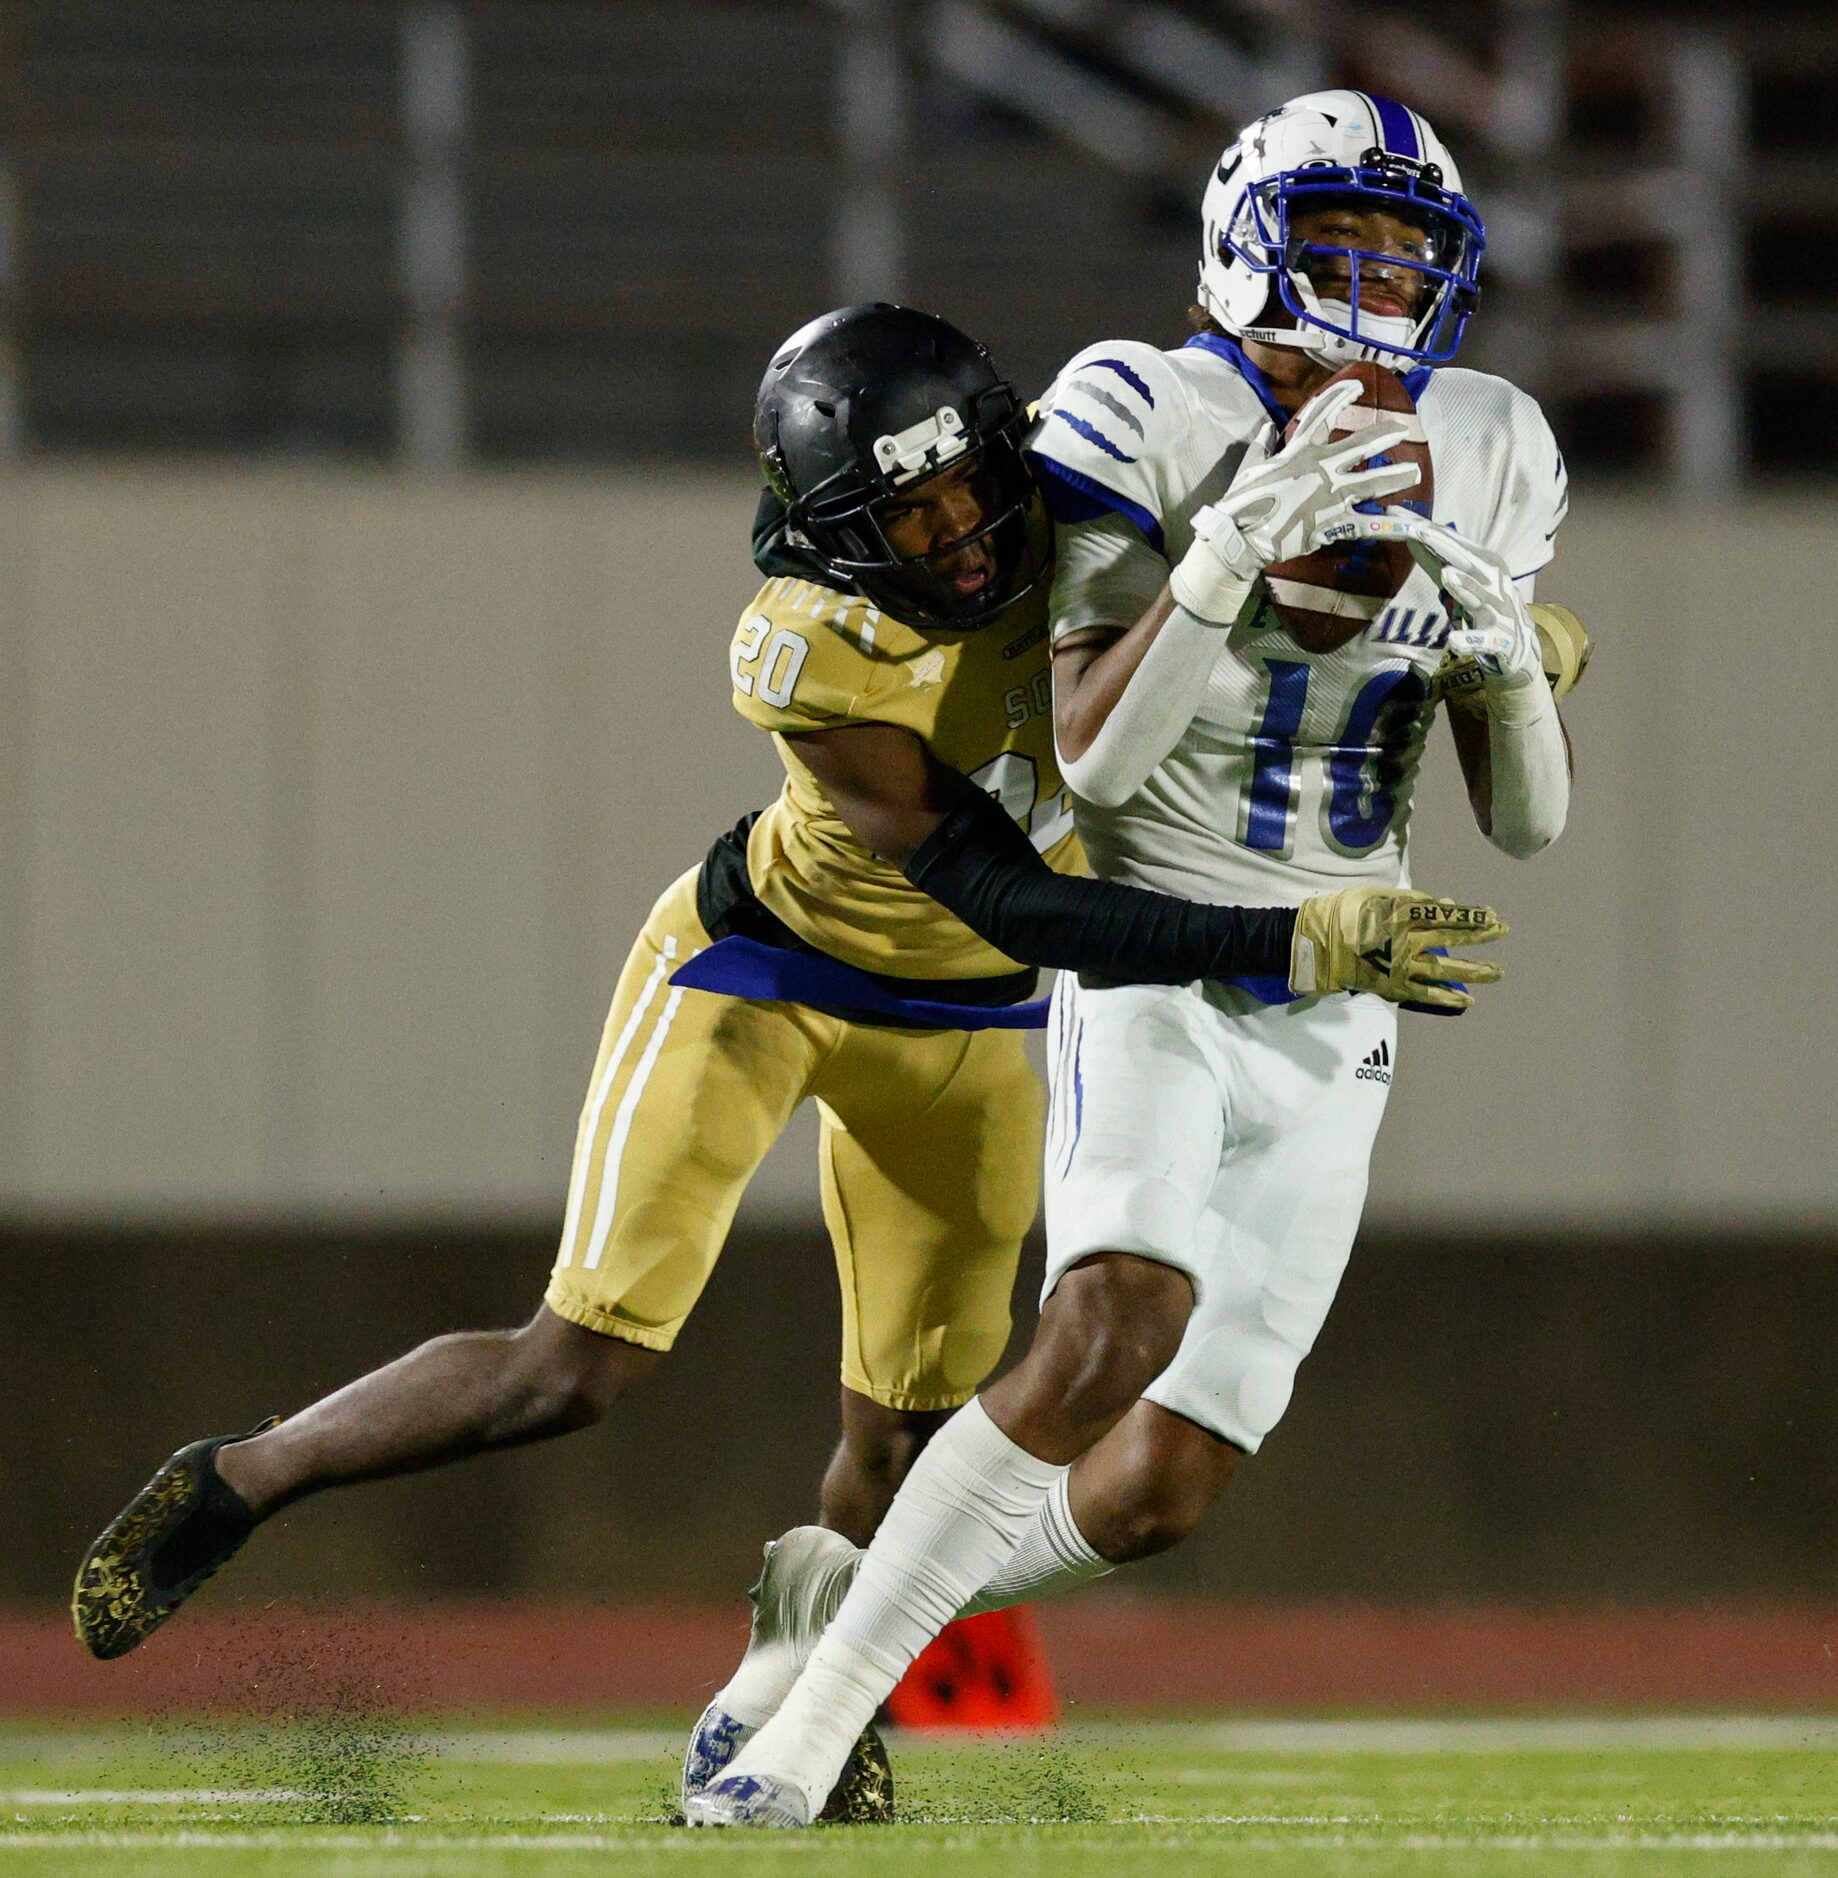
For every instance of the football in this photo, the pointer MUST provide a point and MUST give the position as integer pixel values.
(1334, 594)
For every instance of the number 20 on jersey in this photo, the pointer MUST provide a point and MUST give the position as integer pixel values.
(775, 662)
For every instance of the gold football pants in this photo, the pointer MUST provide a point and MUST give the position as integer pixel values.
(930, 1167)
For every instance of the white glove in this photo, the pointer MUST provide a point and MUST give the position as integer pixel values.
(1529, 768)
(1288, 504)
(1490, 624)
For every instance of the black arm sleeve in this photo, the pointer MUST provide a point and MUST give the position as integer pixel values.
(984, 869)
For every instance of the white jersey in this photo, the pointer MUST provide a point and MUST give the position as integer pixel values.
(1297, 772)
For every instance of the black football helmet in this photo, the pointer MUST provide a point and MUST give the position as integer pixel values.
(863, 406)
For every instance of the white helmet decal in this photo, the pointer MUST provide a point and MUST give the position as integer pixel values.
(1329, 146)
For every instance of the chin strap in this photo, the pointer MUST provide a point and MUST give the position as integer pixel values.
(1327, 348)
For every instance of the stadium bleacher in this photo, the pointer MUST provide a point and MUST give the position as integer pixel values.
(211, 201)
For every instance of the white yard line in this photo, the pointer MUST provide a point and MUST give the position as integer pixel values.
(584, 1747)
(425, 1846)
(148, 1796)
(558, 1747)
(1238, 1777)
(1813, 1734)
(418, 1845)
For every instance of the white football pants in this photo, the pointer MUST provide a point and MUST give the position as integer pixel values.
(1196, 1127)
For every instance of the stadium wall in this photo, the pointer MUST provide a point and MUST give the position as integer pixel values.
(328, 806)
(1505, 1421)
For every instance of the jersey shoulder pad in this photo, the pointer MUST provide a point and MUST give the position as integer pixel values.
(1532, 485)
(802, 657)
(1111, 428)
(1536, 497)
(1486, 398)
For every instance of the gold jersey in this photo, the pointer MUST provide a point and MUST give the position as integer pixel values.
(806, 657)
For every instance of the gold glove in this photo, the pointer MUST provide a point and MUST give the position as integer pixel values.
(1379, 939)
(1564, 642)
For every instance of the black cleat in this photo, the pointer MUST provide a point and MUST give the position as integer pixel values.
(863, 1793)
(159, 1549)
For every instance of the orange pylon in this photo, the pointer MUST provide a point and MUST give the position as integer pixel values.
(984, 1672)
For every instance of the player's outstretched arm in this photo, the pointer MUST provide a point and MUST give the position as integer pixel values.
(1124, 694)
(958, 845)
(961, 847)
(1394, 942)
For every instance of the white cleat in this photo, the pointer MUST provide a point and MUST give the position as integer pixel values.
(799, 1586)
(761, 1801)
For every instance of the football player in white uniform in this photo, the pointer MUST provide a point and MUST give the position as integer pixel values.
(1208, 1144)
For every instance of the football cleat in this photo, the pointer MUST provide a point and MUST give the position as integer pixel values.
(799, 1586)
(762, 1801)
(862, 1796)
(176, 1531)
(863, 1793)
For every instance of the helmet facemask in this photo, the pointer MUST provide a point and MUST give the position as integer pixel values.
(1263, 236)
(846, 522)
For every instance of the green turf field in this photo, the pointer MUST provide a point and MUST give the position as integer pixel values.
(345, 1799)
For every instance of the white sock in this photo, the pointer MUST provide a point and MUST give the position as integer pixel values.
(970, 1499)
(1053, 1556)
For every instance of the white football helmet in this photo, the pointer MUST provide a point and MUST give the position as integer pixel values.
(1309, 153)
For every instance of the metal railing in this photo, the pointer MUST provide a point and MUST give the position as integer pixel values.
(430, 368)
(513, 222)
(1512, 105)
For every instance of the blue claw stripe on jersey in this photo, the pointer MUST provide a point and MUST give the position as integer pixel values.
(1091, 433)
(1136, 382)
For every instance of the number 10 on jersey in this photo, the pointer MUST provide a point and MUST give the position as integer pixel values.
(1366, 760)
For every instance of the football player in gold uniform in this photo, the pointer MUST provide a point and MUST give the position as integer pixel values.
(868, 941)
